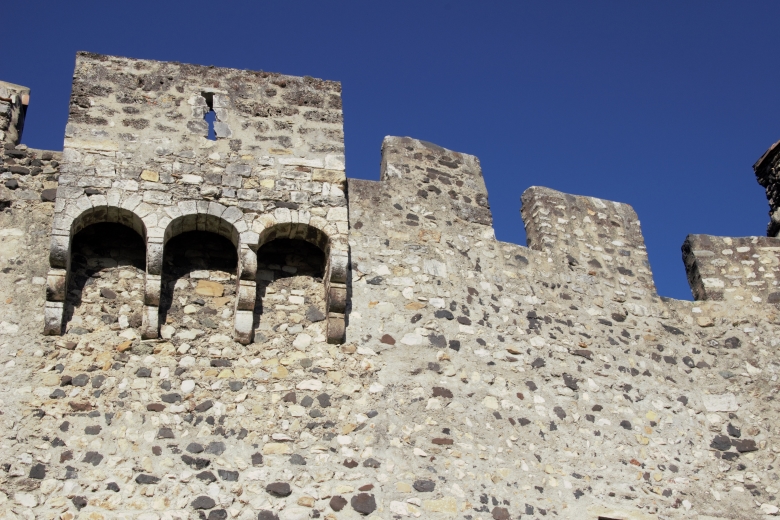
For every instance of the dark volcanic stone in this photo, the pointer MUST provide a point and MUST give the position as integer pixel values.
(11, 184)
(80, 380)
(733, 431)
(92, 430)
(350, 463)
(203, 502)
(38, 471)
(171, 398)
(107, 293)
(337, 503)
(146, 479)
(217, 514)
(721, 443)
(313, 314)
(206, 476)
(297, 460)
(165, 433)
(79, 502)
(113, 486)
(732, 342)
(155, 407)
(363, 503)
(195, 463)
(744, 445)
(205, 405)
(92, 457)
(267, 515)
(194, 447)
(229, 476)
(216, 448)
(500, 513)
(439, 391)
(424, 486)
(49, 195)
(387, 339)
(279, 489)
(143, 372)
(324, 400)
(257, 459)
(371, 463)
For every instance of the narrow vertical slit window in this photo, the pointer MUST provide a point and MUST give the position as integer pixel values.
(210, 116)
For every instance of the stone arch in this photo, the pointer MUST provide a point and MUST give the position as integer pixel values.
(300, 225)
(86, 211)
(210, 217)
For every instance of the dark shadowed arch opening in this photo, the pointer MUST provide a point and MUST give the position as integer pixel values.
(289, 287)
(106, 278)
(198, 284)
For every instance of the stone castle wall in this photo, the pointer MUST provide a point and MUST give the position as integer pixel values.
(398, 362)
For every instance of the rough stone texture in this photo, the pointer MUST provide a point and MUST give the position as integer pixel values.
(14, 100)
(476, 379)
(733, 269)
(137, 152)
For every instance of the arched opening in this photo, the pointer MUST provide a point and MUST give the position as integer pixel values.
(198, 286)
(290, 296)
(106, 279)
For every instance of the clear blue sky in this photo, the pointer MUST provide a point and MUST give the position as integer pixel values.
(664, 105)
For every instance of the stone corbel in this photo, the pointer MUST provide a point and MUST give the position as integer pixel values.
(52, 318)
(336, 328)
(150, 323)
(150, 326)
(246, 294)
(56, 285)
(336, 296)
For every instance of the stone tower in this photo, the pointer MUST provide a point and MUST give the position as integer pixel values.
(274, 168)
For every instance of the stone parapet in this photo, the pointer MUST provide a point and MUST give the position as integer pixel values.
(28, 176)
(450, 181)
(600, 238)
(739, 270)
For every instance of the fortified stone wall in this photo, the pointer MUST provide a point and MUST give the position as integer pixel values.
(476, 379)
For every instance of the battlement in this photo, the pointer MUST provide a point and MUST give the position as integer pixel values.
(233, 328)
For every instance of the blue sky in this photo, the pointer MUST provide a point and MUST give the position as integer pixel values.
(664, 105)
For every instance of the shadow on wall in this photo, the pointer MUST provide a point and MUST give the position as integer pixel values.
(105, 287)
(198, 282)
(289, 285)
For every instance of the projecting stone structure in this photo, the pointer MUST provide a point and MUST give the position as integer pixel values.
(152, 168)
(204, 318)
